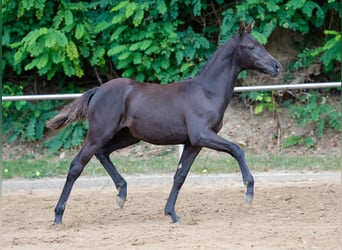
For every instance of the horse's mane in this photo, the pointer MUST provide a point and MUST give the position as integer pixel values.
(214, 55)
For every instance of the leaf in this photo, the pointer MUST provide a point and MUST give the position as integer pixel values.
(130, 9)
(292, 141)
(165, 63)
(30, 129)
(78, 70)
(259, 97)
(272, 6)
(179, 56)
(77, 137)
(333, 32)
(67, 67)
(308, 8)
(120, 6)
(54, 145)
(259, 36)
(161, 7)
(197, 7)
(102, 26)
(61, 39)
(32, 64)
(117, 50)
(259, 108)
(69, 18)
(42, 61)
(268, 99)
(137, 58)
(124, 55)
(80, 31)
(71, 50)
(57, 56)
(309, 142)
(138, 17)
(50, 40)
(140, 77)
(142, 45)
(117, 33)
(295, 4)
(153, 49)
(118, 19)
(97, 58)
(128, 73)
(31, 37)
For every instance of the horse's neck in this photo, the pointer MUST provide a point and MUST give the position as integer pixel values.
(219, 74)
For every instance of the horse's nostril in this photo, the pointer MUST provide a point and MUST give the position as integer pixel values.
(277, 66)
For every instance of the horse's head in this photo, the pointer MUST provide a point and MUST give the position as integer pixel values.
(252, 55)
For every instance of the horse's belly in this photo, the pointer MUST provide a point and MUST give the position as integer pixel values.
(161, 132)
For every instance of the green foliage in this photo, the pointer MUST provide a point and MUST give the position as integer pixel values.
(308, 17)
(69, 137)
(156, 48)
(24, 121)
(313, 108)
(294, 140)
(36, 41)
(263, 101)
(310, 108)
(49, 49)
(329, 54)
(294, 15)
(146, 40)
(153, 40)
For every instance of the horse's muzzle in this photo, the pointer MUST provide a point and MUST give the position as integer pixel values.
(277, 68)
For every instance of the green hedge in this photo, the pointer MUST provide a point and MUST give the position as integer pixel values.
(152, 40)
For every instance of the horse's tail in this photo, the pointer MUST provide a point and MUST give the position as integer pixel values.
(76, 110)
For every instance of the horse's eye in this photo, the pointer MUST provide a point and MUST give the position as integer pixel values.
(251, 47)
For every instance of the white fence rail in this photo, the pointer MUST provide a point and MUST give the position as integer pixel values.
(236, 89)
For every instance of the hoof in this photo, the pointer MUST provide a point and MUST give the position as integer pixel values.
(56, 224)
(249, 199)
(173, 217)
(120, 201)
(57, 221)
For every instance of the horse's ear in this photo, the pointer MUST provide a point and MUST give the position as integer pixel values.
(242, 28)
(250, 27)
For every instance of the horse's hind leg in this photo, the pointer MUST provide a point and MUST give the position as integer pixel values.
(121, 140)
(95, 141)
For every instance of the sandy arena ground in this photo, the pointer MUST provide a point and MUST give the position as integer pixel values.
(291, 214)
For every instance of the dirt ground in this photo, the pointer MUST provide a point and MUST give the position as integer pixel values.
(286, 215)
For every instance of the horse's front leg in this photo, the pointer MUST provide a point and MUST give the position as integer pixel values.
(188, 156)
(211, 140)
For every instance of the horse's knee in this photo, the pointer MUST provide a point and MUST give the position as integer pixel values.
(236, 151)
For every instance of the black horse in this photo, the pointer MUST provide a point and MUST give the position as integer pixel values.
(123, 112)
